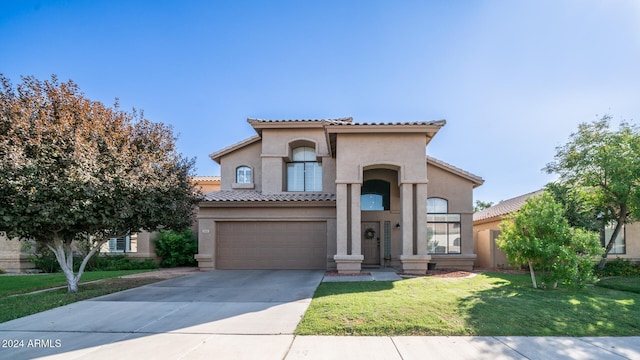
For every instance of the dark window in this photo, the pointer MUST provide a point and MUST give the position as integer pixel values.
(375, 195)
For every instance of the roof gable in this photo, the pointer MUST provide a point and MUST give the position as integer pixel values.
(215, 156)
(498, 211)
(475, 179)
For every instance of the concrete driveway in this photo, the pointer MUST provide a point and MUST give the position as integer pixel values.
(200, 315)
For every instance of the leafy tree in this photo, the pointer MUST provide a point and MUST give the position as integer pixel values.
(538, 235)
(604, 164)
(74, 173)
(577, 212)
(481, 205)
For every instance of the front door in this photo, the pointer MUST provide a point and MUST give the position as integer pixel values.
(371, 243)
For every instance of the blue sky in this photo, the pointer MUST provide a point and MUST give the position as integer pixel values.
(512, 78)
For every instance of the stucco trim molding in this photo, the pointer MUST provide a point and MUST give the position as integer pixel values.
(415, 264)
(348, 264)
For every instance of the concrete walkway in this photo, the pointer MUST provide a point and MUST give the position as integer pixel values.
(250, 315)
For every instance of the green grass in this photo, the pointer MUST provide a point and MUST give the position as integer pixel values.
(18, 284)
(487, 304)
(15, 303)
(622, 283)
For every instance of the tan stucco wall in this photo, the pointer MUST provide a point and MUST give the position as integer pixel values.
(276, 151)
(208, 186)
(458, 192)
(248, 156)
(632, 236)
(404, 152)
(399, 158)
(14, 258)
(632, 239)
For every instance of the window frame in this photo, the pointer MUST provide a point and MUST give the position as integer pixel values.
(379, 188)
(309, 170)
(440, 217)
(245, 168)
(605, 235)
(113, 244)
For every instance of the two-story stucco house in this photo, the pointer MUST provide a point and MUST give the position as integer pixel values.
(334, 194)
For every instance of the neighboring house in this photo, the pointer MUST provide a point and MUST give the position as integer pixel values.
(334, 194)
(14, 256)
(486, 229)
(140, 245)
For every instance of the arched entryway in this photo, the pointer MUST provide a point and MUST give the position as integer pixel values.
(376, 218)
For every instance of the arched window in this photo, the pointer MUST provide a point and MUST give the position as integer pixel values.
(375, 195)
(443, 228)
(437, 205)
(304, 173)
(243, 175)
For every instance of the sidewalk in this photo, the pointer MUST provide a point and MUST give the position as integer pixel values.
(174, 345)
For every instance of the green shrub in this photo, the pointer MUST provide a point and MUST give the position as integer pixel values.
(176, 248)
(119, 262)
(618, 267)
(46, 261)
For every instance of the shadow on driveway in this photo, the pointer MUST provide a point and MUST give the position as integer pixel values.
(220, 302)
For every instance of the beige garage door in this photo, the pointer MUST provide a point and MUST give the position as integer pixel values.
(271, 245)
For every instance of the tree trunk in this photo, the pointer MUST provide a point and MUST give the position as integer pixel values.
(533, 275)
(64, 254)
(621, 220)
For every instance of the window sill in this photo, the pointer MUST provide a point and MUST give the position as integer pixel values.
(242, 186)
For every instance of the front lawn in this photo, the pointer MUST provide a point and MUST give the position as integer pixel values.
(15, 303)
(18, 284)
(487, 304)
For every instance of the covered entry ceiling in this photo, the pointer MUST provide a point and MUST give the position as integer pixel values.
(271, 245)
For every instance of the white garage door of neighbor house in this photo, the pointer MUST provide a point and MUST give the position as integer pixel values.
(271, 245)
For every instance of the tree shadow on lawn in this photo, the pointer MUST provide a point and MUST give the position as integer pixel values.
(341, 288)
(513, 308)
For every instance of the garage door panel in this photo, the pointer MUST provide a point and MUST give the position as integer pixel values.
(271, 245)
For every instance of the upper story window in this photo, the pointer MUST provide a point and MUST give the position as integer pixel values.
(443, 228)
(375, 195)
(304, 173)
(243, 175)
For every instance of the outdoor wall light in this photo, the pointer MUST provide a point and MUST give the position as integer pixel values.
(398, 226)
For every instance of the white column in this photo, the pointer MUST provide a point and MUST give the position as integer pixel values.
(341, 219)
(406, 199)
(421, 216)
(356, 238)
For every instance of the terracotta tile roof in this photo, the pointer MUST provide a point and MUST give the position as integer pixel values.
(475, 179)
(418, 123)
(504, 207)
(236, 195)
(206, 178)
(336, 120)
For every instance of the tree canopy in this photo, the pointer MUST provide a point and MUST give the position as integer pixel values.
(481, 205)
(540, 236)
(603, 165)
(74, 171)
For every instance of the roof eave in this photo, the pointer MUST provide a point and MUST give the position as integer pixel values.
(474, 179)
(216, 156)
